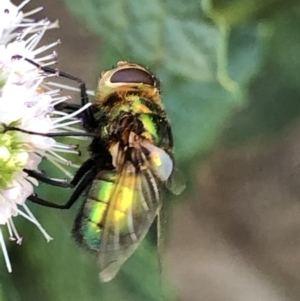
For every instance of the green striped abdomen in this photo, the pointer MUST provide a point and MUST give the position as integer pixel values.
(89, 222)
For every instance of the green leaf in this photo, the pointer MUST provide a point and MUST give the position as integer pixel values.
(198, 114)
(235, 12)
(273, 106)
(244, 53)
(284, 47)
(275, 93)
(165, 34)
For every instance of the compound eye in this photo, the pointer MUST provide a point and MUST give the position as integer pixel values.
(133, 75)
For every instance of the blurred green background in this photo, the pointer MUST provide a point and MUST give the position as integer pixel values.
(231, 86)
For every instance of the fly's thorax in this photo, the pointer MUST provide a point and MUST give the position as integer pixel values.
(140, 115)
(109, 96)
(131, 104)
(128, 132)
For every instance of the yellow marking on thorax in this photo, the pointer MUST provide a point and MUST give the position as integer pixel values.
(149, 127)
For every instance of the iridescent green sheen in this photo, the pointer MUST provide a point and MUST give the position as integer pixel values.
(97, 211)
(105, 190)
(134, 104)
(101, 190)
(95, 208)
(149, 125)
(92, 234)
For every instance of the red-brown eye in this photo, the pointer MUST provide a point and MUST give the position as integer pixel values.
(133, 75)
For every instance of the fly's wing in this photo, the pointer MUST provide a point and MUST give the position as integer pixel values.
(176, 182)
(133, 206)
(173, 178)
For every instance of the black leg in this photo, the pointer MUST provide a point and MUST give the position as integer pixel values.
(72, 107)
(43, 178)
(87, 180)
(84, 168)
(63, 134)
(89, 119)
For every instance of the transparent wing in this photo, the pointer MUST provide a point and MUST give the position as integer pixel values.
(176, 183)
(134, 204)
(162, 166)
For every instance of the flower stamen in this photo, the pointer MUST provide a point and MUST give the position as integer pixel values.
(32, 12)
(46, 47)
(35, 221)
(29, 120)
(23, 4)
(15, 232)
(4, 251)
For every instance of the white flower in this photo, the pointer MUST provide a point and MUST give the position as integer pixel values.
(26, 103)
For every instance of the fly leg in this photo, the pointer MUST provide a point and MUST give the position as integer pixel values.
(89, 121)
(58, 134)
(82, 177)
(43, 178)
